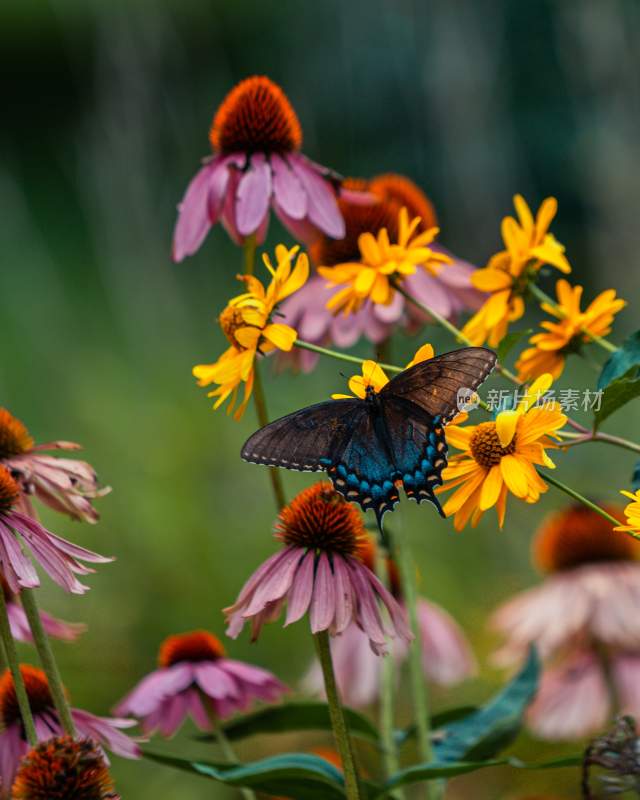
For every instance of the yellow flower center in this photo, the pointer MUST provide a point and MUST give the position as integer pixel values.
(232, 320)
(485, 445)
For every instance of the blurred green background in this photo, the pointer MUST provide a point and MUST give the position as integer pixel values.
(107, 116)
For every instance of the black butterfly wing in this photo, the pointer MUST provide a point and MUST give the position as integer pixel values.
(433, 385)
(307, 440)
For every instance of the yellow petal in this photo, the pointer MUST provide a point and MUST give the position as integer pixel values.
(523, 211)
(369, 249)
(365, 281)
(514, 476)
(544, 217)
(491, 488)
(282, 336)
(338, 396)
(506, 423)
(491, 280)
(423, 353)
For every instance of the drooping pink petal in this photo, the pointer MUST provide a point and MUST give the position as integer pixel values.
(107, 732)
(323, 607)
(194, 219)
(276, 585)
(368, 615)
(214, 681)
(345, 601)
(253, 195)
(322, 208)
(288, 191)
(301, 229)
(390, 313)
(625, 669)
(198, 712)
(154, 688)
(396, 612)
(174, 712)
(12, 749)
(17, 568)
(301, 590)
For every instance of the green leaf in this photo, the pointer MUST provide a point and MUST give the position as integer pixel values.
(620, 362)
(432, 771)
(438, 721)
(510, 341)
(312, 716)
(495, 725)
(299, 775)
(617, 394)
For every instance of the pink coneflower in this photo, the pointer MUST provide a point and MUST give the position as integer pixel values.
(583, 620)
(63, 484)
(447, 658)
(318, 571)
(257, 163)
(449, 292)
(197, 679)
(13, 744)
(59, 558)
(20, 630)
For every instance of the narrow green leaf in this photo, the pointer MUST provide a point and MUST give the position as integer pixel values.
(299, 775)
(620, 362)
(438, 721)
(311, 716)
(615, 396)
(492, 727)
(510, 341)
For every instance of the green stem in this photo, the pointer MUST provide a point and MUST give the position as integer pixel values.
(581, 499)
(260, 403)
(48, 660)
(11, 655)
(455, 332)
(323, 351)
(419, 688)
(543, 297)
(223, 742)
(250, 245)
(387, 690)
(338, 721)
(596, 436)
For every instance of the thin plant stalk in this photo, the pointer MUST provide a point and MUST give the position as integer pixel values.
(249, 247)
(338, 721)
(11, 656)
(223, 742)
(419, 688)
(543, 297)
(48, 660)
(324, 351)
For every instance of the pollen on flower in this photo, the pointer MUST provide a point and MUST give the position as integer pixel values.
(64, 769)
(9, 491)
(37, 687)
(577, 536)
(405, 192)
(256, 115)
(321, 519)
(231, 320)
(193, 647)
(485, 445)
(14, 436)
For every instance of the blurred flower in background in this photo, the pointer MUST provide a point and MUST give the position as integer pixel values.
(20, 630)
(246, 322)
(447, 658)
(583, 620)
(63, 767)
(195, 678)
(448, 290)
(500, 457)
(573, 328)
(528, 246)
(256, 139)
(13, 744)
(319, 572)
(65, 485)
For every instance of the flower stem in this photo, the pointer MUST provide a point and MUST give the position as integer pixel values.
(582, 499)
(338, 722)
(543, 297)
(323, 351)
(596, 436)
(250, 245)
(48, 660)
(223, 742)
(263, 419)
(387, 690)
(455, 332)
(11, 655)
(419, 688)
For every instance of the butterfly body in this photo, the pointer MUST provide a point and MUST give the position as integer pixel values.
(390, 440)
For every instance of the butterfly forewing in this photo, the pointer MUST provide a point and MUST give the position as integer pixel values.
(433, 385)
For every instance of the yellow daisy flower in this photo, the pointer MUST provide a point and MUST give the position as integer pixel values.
(499, 457)
(528, 245)
(381, 263)
(374, 376)
(632, 513)
(574, 327)
(246, 322)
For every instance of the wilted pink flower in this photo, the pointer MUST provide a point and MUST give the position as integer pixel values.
(20, 630)
(194, 671)
(59, 558)
(592, 588)
(447, 658)
(13, 744)
(63, 484)
(318, 571)
(449, 293)
(257, 163)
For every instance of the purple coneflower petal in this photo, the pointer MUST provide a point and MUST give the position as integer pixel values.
(323, 606)
(277, 584)
(344, 599)
(198, 712)
(253, 195)
(396, 611)
(17, 568)
(193, 215)
(151, 690)
(288, 191)
(301, 589)
(368, 616)
(107, 731)
(12, 749)
(214, 681)
(322, 208)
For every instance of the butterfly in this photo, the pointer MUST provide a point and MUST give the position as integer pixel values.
(392, 438)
